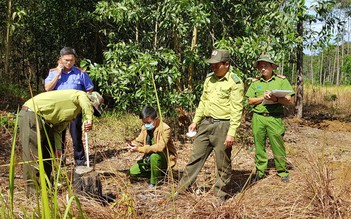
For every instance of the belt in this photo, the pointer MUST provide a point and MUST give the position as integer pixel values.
(271, 114)
(25, 108)
(213, 120)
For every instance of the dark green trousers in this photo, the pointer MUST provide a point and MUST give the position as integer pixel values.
(273, 127)
(210, 137)
(28, 136)
(154, 168)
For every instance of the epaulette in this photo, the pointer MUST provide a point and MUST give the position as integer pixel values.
(252, 80)
(210, 74)
(236, 78)
(256, 79)
(281, 76)
(53, 69)
(81, 69)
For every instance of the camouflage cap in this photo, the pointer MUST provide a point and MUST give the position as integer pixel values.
(96, 100)
(266, 58)
(219, 55)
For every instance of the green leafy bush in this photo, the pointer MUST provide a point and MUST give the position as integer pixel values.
(128, 73)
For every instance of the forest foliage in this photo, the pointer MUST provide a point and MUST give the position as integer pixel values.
(126, 45)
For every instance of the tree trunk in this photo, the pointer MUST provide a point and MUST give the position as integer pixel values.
(311, 71)
(337, 60)
(177, 50)
(299, 72)
(87, 182)
(321, 70)
(137, 32)
(156, 31)
(327, 77)
(293, 74)
(334, 69)
(342, 55)
(7, 74)
(282, 68)
(348, 36)
(191, 67)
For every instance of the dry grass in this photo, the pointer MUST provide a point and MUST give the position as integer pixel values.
(334, 100)
(320, 171)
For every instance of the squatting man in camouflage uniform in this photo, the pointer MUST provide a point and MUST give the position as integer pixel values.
(267, 120)
(217, 118)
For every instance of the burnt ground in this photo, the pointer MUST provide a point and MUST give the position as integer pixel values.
(319, 151)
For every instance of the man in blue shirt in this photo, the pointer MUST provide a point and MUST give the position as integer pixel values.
(67, 76)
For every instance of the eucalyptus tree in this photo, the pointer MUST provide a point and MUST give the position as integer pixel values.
(332, 22)
(8, 38)
(172, 39)
(41, 28)
(146, 39)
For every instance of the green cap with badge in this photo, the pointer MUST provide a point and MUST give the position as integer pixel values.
(266, 58)
(219, 55)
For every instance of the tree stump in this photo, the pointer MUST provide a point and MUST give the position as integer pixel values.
(87, 182)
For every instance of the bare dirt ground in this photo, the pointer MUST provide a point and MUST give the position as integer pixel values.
(319, 155)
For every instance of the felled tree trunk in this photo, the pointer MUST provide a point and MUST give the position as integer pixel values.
(87, 182)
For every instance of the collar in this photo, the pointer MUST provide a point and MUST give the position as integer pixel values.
(272, 78)
(225, 77)
(71, 70)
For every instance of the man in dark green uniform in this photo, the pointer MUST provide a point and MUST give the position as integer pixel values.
(52, 112)
(217, 117)
(268, 110)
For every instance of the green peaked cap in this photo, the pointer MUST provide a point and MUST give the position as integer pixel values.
(219, 55)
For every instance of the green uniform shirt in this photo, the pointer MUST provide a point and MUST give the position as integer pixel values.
(222, 99)
(59, 107)
(257, 89)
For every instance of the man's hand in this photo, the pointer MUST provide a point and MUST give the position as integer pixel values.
(269, 96)
(88, 125)
(132, 147)
(192, 127)
(59, 67)
(229, 141)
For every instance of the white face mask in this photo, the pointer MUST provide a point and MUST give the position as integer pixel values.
(149, 126)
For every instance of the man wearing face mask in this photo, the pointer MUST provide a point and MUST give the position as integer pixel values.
(155, 142)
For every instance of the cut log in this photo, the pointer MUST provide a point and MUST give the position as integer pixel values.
(87, 182)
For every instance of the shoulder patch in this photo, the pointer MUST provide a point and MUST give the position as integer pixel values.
(236, 78)
(210, 74)
(82, 70)
(53, 69)
(281, 76)
(252, 80)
